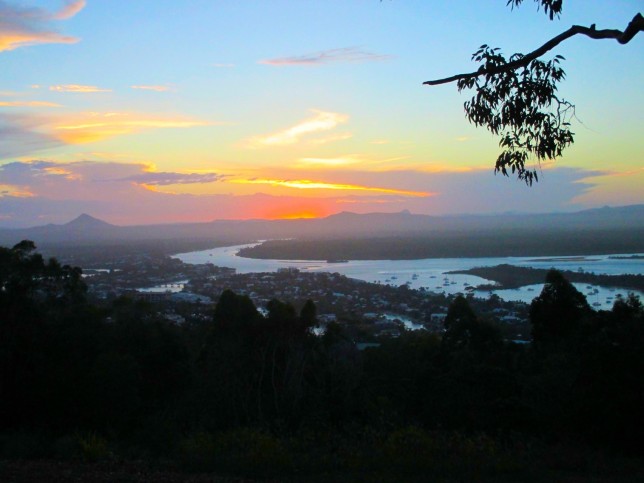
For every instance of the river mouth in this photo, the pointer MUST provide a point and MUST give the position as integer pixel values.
(430, 274)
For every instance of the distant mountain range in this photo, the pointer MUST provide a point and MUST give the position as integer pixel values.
(87, 230)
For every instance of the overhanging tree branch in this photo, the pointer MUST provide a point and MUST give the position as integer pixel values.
(623, 37)
(517, 98)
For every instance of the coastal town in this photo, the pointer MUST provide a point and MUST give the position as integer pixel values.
(185, 293)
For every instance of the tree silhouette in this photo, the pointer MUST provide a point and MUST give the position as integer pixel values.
(516, 98)
(465, 332)
(558, 312)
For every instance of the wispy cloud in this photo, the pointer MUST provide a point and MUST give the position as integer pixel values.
(321, 185)
(352, 162)
(166, 178)
(53, 179)
(627, 173)
(22, 26)
(28, 104)
(78, 88)
(331, 139)
(152, 88)
(332, 162)
(22, 134)
(71, 8)
(322, 121)
(29, 175)
(90, 127)
(331, 56)
(6, 190)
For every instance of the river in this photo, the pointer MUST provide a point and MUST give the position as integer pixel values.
(430, 273)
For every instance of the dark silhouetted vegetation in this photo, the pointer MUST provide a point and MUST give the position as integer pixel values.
(511, 276)
(517, 98)
(473, 244)
(262, 396)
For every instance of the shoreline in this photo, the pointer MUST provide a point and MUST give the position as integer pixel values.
(513, 277)
(404, 248)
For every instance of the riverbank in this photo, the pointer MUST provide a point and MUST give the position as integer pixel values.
(511, 277)
(476, 244)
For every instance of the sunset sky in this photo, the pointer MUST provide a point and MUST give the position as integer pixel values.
(152, 111)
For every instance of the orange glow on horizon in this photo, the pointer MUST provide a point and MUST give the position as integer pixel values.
(299, 215)
(303, 209)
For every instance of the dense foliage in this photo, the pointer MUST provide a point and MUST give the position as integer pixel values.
(262, 394)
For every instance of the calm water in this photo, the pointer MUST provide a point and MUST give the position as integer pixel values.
(430, 272)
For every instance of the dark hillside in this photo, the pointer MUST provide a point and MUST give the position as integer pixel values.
(488, 243)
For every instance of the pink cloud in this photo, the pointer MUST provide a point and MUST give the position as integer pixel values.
(331, 56)
(77, 88)
(154, 88)
(71, 8)
(20, 26)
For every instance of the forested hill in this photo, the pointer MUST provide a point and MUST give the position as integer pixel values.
(481, 243)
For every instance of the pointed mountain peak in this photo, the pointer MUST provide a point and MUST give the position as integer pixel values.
(87, 221)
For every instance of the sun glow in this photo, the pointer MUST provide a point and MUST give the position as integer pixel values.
(299, 215)
(305, 210)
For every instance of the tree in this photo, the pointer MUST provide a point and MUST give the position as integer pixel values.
(228, 362)
(465, 332)
(517, 99)
(558, 312)
(253, 368)
(48, 338)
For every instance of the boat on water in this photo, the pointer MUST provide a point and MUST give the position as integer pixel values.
(333, 260)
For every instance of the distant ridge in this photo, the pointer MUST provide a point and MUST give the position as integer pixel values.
(88, 230)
